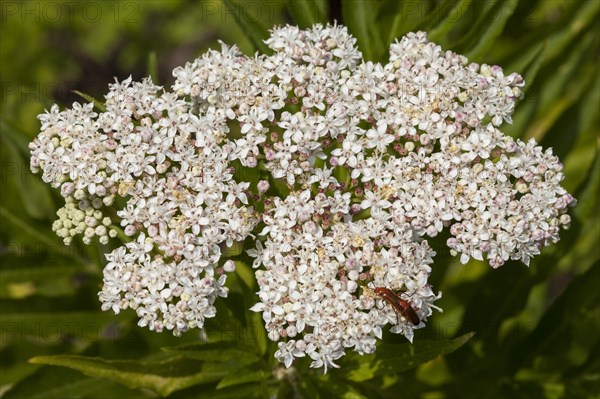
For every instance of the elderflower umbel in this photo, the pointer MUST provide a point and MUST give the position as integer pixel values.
(337, 170)
(317, 282)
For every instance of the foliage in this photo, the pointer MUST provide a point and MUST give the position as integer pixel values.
(536, 330)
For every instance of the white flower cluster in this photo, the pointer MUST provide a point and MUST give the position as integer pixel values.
(339, 170)
(316, 291)
(179, 199)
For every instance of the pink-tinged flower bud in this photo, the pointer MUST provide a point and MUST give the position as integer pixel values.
(251, 162)
(229, 266)
(263, 186)
(130, 230)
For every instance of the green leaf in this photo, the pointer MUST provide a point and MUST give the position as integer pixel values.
(250, 390)
(26, 281)
(221, 351)
(244, 375)
(53, 328)
(153, 67)
(305, 13)
(590, 118)
(97, 103)
(246, 274)
(41, 241)
(163, 377)
(255, 331)
(359, 17)
(561, 90)
(580, 300)
(338, 388)
(53, 382)
(587, 208)
(16, 136)
(342, 175)
(440, 32)
(35, 195)
(532, 69)
(245, 173)
(395, 358)
(504, 290)
(396, 18)
(493, 29)
(250, 26)
(32, 231)
(235, 249)
(280, 186)
(559, 42)
(472, 25)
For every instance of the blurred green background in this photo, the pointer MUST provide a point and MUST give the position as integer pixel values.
(537, 329)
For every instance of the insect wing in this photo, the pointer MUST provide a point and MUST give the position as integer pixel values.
(401, 306)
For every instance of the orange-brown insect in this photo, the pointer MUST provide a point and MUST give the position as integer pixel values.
(401, 306)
